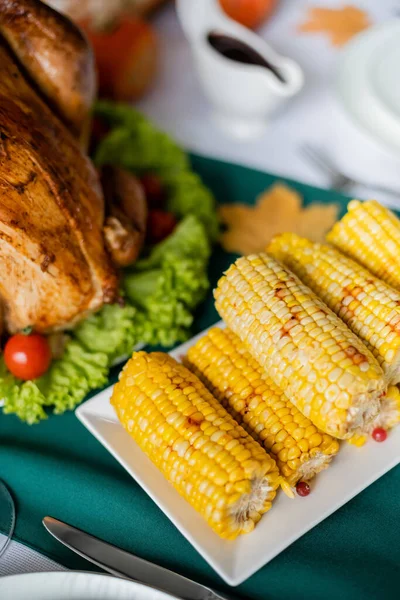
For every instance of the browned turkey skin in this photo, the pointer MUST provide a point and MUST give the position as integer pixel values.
(53, 264)
(54, 268)
(57, 253)
(55, 56)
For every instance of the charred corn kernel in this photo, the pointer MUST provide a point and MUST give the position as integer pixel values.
(227, 368)
(197, 445)
(369, 306)
(300, 342)
(370, 234)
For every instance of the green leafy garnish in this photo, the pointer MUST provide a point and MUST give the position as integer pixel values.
(74, 375)
(112, 331)
(188, 195)
(24, 399)
(168, 284)
(135, 143)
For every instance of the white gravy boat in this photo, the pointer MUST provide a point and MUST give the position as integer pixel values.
(243, 95)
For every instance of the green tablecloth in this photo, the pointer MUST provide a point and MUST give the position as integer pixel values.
(57, 468)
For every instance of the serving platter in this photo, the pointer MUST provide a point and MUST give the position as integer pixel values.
(353, 470)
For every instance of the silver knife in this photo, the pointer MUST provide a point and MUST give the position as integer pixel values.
(123, 564)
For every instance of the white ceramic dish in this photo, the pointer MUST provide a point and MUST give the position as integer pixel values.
(243, 96)
(72, 585)
(352, 471)
(368, 82)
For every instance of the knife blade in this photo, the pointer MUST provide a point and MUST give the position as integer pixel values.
(124, 564)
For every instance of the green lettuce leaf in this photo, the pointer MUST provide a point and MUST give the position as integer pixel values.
(188, 240)
(23, 399)
(170, 283)
(116, 114)
(135, 143)
(74, 375)
(112, 331)
(186, 195)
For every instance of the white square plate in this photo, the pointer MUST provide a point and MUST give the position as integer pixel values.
(351, 471)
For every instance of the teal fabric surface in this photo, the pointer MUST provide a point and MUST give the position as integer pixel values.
(57, 468)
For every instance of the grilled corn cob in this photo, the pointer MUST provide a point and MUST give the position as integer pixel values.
(212, 461)
(370, 233)
(369, 306)
(235, 378)
(320, 364)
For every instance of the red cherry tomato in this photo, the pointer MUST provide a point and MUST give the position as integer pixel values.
(159, 225)
(379, 434)
(249, 12)
(27, 356)
(302, 488)
(153, 188)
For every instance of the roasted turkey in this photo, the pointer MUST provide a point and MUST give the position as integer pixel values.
(54, 265)
(55, 57)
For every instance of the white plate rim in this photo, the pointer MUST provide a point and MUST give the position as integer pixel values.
(27, 580)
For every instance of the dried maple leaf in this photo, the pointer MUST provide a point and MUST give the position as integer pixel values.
(340, 24)
(277, 210)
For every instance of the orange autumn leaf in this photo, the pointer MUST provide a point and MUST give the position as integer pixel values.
(340, 24)
(277, 210)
